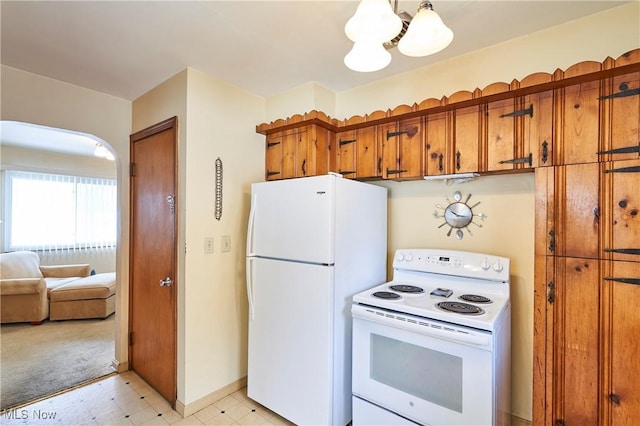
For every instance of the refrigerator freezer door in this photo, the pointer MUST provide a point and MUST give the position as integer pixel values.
(290, 368)
(293, 219)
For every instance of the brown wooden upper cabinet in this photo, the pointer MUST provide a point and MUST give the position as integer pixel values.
(402, 149)
(466, 139)
(621, 104)
(299, 152)
(358, 154)
(439, 152)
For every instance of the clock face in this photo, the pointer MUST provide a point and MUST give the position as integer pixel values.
(459, 215)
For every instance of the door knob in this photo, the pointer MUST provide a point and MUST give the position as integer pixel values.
(166, 282)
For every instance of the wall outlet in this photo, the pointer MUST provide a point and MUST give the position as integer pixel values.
(225, 243)
(208, 245)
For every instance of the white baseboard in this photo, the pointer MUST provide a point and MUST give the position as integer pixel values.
(194, 407)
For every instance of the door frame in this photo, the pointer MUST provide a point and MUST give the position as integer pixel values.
(170, 123)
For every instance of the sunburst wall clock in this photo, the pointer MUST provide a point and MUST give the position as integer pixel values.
(458, 215)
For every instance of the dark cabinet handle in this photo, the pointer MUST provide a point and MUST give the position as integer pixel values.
(623, 93)
(545, 152)
(346, 172)
(552, 241)
(528, 111)
(458, 155)
(635, 251)
(379, 165)
(623, 150)
(551, 294)
(270, 144)
(304, 163)
(345, 141)
(634, 281)
(523, 160)
(440, 159)
(272, 173)
(596, 215)
(409, 132)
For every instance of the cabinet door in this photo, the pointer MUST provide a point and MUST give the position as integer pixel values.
(501, 119)
(580, 123)
(346, 161)
(538, 130)
(466, 139)
(314, 147)
(622, 103)
(621, 298)
(576, 344)
(402, 149)
(577, 215)
(622, 210)
(369, 157)
(437, 159)
(273, 156)
(289, 147)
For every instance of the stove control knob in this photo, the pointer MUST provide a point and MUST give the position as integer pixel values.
(498, 266)
(400, 257)
(408, 257)
(485, 265)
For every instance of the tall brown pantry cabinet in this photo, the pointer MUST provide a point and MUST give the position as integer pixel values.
(587, 289)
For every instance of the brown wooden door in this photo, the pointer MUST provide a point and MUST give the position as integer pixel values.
(501, 119)
(538, 130)
(621, 297)
(580, 123)
(574, 316)
(273, 156)
(152, 322)
(346, 158)
(402, 149)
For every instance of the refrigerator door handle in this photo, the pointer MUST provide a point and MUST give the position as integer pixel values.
(250, 286)
(252, 216)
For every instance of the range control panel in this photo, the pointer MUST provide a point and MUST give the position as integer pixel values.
(453, 262)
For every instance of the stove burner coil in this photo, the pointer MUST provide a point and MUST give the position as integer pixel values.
(460, 308)
(386, 295)
(475, 298)
(405, 288)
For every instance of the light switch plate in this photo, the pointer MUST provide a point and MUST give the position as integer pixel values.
(225, 243)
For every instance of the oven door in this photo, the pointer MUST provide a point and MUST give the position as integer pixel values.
(427, 371)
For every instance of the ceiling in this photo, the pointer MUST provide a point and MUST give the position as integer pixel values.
(125, 48)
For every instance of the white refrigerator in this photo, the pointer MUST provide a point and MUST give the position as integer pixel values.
(312, 243)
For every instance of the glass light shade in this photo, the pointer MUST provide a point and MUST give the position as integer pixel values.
(426, 35)
(374, 21)
(367, 57)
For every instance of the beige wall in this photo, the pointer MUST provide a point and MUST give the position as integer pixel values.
(32, 98)
(507, 200)
(215, 120)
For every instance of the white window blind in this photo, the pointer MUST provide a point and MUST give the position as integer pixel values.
(47, 212)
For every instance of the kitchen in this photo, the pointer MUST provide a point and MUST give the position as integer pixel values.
(508, 201)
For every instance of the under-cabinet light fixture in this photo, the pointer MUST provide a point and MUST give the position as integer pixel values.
(454, 178)
(376, 27)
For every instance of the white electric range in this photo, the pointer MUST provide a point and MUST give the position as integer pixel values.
(432, 346)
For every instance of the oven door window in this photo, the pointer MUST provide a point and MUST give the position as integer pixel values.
(423, 377)
(391, 359)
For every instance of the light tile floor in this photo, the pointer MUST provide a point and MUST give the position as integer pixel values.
(126, 399)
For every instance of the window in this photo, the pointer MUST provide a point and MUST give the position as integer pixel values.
(52, 212)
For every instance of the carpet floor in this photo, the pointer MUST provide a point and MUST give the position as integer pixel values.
(37, 361)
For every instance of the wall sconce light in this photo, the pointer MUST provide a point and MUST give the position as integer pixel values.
(102, 152)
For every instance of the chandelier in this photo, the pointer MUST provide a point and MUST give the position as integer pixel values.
(376, 27)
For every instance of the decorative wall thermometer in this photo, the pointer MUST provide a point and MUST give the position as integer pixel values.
(458, 215)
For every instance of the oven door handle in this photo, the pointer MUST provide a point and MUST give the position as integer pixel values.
(478, 339)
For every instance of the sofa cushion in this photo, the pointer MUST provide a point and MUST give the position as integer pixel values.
(99, 286)
(63, 271)
(58, 282)
(20, 264)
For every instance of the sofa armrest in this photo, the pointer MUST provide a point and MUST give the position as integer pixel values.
(65, 271)
(13, 286)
